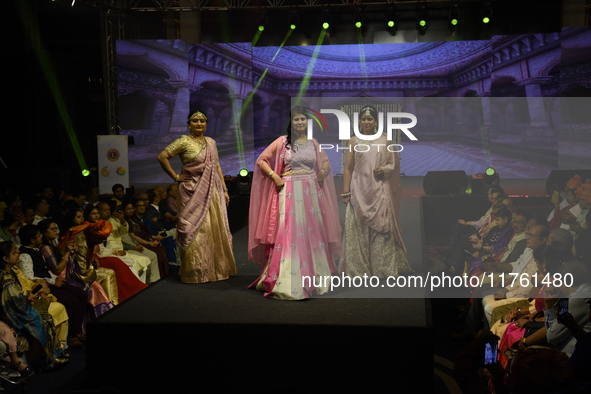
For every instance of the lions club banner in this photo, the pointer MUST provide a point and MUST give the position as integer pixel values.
(113, 162)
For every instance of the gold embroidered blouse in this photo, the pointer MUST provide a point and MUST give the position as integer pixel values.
(187, 148)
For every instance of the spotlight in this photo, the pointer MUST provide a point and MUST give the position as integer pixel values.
(358, 19)
(85, 172)
(262, 21)
(422, 19)
(486, 13)
(491, 178)
(244, 181)
(326, 19)
(294, 20)
(454, 17)
(391, 20)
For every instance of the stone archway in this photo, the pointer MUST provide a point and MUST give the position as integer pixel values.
(212, 98)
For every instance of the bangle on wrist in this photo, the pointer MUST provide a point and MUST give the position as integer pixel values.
(345, 194)
(225, 189)
(271, 174)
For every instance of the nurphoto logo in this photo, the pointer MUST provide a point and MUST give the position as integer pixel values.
(392, 119)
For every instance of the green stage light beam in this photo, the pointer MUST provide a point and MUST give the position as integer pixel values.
(310, 69)
(249, 99)
(49, 74)
(362, 54)
(255, 39)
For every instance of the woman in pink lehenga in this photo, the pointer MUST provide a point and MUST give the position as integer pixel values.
(294, 229)
(372, 242)
(203, 233)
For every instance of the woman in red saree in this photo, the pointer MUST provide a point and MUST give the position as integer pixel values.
(203, 232)
(128, 283)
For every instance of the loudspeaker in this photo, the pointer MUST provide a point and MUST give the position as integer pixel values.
(561, 177)
(443, 183)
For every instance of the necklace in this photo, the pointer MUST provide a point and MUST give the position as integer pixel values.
(200, 142)
(299, 144)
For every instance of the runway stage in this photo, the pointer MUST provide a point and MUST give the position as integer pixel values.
(221, 337)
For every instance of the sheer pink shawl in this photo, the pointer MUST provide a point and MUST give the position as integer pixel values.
(377, 202)
(264, 203)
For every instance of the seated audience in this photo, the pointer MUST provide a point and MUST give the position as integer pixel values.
(580, 227)
(34, 270)
(7, 337)
(26, 312)
(495, 243)
(113, 246)
(154, 221)
(74, 299)
(119, 276)
(133, 215)
(460, 235)
(168, 206)
(41, 208)
(579, 296)
(123, 240)
(118, 193)
(80, 270)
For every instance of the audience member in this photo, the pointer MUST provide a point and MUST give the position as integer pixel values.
(578, 292)
(168, 206)
(20, 311)
(74, 299)
(118, 193)
(142, 234)
(80, 271)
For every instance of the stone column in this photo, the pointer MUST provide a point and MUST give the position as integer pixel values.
(266, 112)
(538, 130)
(485, 130)
(178, 121)
(237, 101)
(460, 127)
(486, 108)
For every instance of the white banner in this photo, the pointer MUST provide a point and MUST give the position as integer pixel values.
(113, 162)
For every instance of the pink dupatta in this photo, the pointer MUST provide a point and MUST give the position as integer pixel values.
(194, 196)
(264, 199)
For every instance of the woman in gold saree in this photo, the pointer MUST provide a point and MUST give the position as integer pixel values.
(203, 232)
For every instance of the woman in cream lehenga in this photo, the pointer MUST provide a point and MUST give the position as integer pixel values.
(372, 243)
(203, 232)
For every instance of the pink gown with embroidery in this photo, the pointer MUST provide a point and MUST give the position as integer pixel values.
(300, 260)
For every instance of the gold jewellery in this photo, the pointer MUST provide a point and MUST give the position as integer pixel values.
(200, 142)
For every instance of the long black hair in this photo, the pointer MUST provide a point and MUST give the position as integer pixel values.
(298, 109)
(5, 249)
